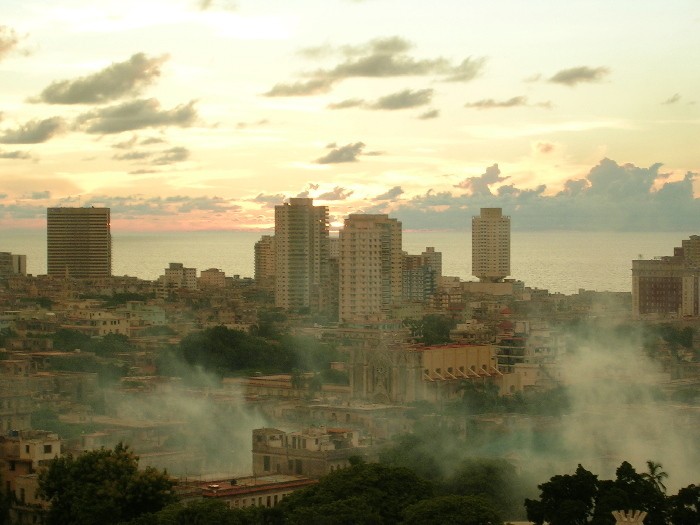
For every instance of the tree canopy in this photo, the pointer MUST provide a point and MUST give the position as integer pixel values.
(102, 487)
(581, 498)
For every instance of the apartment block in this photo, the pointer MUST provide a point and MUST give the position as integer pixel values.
(370, 267)
(313, 452)
(668, 286)
(301, 253)
(265, 265)
(79, 242)
(491, 245)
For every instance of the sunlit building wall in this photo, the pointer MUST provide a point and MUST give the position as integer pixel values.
(370, 266)
(301, 253)
(491, 245)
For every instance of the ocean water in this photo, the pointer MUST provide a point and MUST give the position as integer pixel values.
(561, 261)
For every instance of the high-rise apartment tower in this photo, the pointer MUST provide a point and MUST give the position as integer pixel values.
(491, 245)
(301, 253)
(78, 242)
(371, 263)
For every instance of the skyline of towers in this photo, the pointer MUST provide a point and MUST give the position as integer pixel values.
(78, 242)
(370, 266)
(491, 245)
(301, 253)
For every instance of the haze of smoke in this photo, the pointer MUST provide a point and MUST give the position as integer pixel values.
(617, 414)
(216, 424)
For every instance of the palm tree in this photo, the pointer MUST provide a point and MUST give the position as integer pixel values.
(656, 476)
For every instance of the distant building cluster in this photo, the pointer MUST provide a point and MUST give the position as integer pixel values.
(364, 274)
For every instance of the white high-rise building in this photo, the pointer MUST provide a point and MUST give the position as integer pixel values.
(301, 253)
(491, 245)
(370, 266)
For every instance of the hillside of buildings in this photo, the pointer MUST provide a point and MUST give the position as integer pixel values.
(348, 352)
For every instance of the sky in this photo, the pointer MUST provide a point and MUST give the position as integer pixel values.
(205, 114)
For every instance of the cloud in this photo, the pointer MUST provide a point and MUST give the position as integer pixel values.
(347, 153)
(577, 75)
(216, 204)
(404, 99)
(469, 69)
(480, 185)
(347, 103)
(34, 131)
(9, 41)
(389, 195)
(38, 195)
(544, 147)
(257, 123)
(172, 156)
(133, 155)
(134, 140)
(301, 89)
(430, 114)
(136, 114)
(270, 200)
(152, 140)
(126, 144)
(612, 197)
(672, 100)
(489, 103)
(118, 80)
(378, 58)
(336, 194)
(20, 155)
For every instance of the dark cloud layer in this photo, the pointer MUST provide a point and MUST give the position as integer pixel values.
(336, 194)
(489, 103)
(347, 153)
(379, 58)
(15, 155)
(116, 81)
(270, 201)
(390, 195)
(612, 197)
(34, 131)
(136, 114)
(172, 156)
(577, 75)
(433, 113)
(404, 99)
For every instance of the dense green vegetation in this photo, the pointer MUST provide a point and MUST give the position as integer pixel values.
(102, 487)
(581, 498)
(227, 352)
(432, 329)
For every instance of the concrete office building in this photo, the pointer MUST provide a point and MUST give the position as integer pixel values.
(370, 267)
(668, 286)
(79, 242)
(491, 245)
(301, 253)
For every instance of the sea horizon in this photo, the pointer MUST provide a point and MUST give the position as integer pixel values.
(561, 261)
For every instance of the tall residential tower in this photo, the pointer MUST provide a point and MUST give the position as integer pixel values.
(491, 245)
(301, 253)
(371, 262)
(78, 242)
